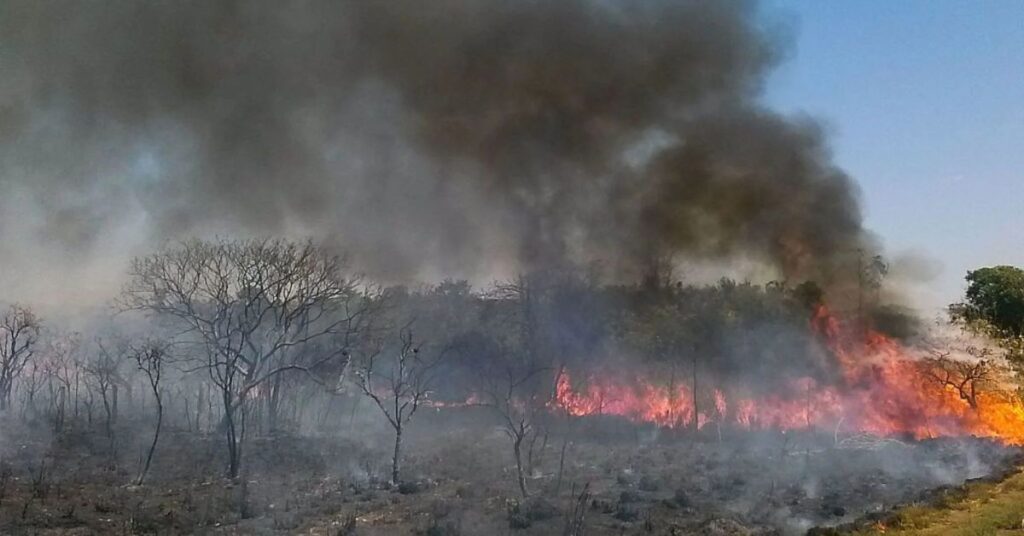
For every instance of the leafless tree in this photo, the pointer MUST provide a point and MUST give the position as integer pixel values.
(575, 518)
(513, 367)
(32, 381)
(104, 374)
(19, 333)
(254, 309)
(62, 366)
(515, 397)
(398, 381)
(150, 357)
(967, 378)
(513, 387)
(570, 418)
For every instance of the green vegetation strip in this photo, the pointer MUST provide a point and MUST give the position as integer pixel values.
(976, 509)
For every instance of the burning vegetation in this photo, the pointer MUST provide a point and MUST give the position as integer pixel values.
(882, 388)
(548, 167)
(586, 406)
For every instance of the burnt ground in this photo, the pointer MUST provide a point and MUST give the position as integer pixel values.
(627, 479)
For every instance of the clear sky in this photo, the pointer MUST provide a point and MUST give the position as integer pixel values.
(925, 104)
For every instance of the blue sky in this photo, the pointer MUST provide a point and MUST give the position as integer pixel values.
(925, 104)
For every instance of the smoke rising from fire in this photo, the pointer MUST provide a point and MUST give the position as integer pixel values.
(457, 137)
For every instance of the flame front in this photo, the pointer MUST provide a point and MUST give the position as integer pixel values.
(883, 391)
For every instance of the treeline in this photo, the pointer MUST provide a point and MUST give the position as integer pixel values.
(237, 338)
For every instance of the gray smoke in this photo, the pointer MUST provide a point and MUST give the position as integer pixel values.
(458, 137)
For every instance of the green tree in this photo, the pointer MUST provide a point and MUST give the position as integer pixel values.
(995, 297)
(994, 306)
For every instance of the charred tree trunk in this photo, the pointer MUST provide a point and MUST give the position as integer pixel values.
(696, 406)
(77, 386)
(274, 404)
(113, 405)
(517, 448)
(199, 409)
(561, 464)
(5, 394)
(231, 435)
(188, 409)
(108, 424)
(396, 460)
(156, 436)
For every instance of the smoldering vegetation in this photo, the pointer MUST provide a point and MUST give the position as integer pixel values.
(250, 385)
(637, 482)
(261, 387)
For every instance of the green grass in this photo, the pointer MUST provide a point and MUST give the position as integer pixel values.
(979, 509)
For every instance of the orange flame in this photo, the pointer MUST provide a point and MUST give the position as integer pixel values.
(883, 391)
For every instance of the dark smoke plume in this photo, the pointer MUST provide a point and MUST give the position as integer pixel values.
(453, 137)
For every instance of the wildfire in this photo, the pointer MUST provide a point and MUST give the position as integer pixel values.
(883, 391)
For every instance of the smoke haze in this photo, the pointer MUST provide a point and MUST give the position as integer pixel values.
(454, 138)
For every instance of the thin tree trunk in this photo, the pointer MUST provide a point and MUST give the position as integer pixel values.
(188, 410)
(232, 438)
(696, 407)
(520, 474)
(156, 437)
(561, 464)
(274, 404)
(396, 460)
(209, 410)
(113, 407)
(106, 408)
(199, 409)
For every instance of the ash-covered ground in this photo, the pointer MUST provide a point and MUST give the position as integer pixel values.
(616, 478)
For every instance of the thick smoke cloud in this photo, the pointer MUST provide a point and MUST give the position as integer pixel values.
(454, 137)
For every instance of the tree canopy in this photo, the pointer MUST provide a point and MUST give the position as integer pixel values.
(995, 296)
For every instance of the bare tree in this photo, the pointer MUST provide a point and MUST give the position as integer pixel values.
(398, 384)
(514, 394)
(19, 333)
(967, 378)
(571, 414)
(512, 386)
(104, 374)
(254, 309)
(511, 363)
(32, 382)
(61, 367)
(149, 357)
(576, 517)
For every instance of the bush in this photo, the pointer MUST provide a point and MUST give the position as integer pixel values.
(523, 514)
(408, 488)
(539, 509)
(518, 521)
(648, 483)
(626, 513)
(447, 528)
(629, 497)
(681, 499)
